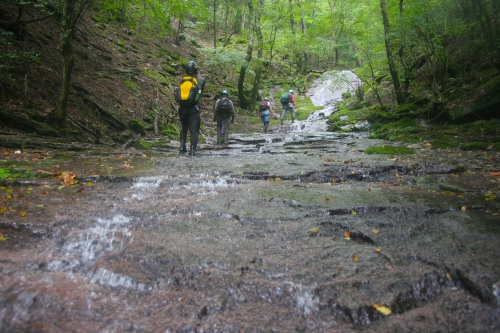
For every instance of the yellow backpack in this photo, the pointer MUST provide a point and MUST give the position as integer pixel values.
(187, 94)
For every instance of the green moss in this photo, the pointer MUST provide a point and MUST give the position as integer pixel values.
(137, 126)
(476, 145)
(134, 87)
(496, 146)
(390, 150)
(143, 145)
(447, 141)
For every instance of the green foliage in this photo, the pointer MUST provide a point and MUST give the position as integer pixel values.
(4, 173)
(390, 150)
(170, 130)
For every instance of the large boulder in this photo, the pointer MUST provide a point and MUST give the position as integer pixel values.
(485, 105)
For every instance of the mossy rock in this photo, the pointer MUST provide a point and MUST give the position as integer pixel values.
(169, 69)
(390, 150)
(447, 141)
(476, 145)
(137, 126)
(143, 145)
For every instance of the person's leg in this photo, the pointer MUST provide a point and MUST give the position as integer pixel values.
(266, 124)
(227, 128)
(283, 114)
(184, 128)
(194, 125)
(292, 113)
(219, 130)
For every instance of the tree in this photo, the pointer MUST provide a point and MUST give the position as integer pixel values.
(67, 19)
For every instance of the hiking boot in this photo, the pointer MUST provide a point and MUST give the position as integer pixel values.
(192, 151)
(182, 148)
(292, 120)
(282, 123)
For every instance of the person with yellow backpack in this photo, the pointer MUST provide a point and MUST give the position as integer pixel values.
(188, 95)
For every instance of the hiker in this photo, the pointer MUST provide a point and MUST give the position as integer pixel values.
(265, 112)
(187, 95)
(288, 103)
(223, 111)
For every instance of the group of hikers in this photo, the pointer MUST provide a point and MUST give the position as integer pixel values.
(188, 95)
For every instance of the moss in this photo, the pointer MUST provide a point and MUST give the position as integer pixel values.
(476, 145)
(143, 145)
(447, 141)
(137, 126)
(390, 150)
(496, 146)
(134, 87)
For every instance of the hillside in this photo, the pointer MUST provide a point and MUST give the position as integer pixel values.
(118, 76)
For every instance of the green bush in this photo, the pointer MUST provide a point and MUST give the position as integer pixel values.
(390, 150)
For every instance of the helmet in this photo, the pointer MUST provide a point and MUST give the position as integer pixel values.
(191, 67)
(224, 92)
(291, 91)
(266, 99)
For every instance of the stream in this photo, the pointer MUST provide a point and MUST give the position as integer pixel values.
(296, 230)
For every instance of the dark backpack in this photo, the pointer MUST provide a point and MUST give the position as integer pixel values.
(187, 94)
(263, 106)
(285, 98)
(224, 106)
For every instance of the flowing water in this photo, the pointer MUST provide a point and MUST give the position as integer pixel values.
(292, 231)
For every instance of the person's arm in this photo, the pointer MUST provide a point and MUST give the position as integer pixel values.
(232, 112)
(293, 99)
(271, 109)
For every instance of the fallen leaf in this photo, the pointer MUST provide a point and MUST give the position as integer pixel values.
(354, 258)
(333, 180)
(377, 249)
(382, 309)
(375, 231)
(347, 234)
(328, 159)
(353, 212)
(397, 176)
(2, 238)
(327, 198)
(495, 173)
(22, 214)
(448, 276)
(68, 178)
(392, 159)
(369, 189)
(464, 207)
(313, 230)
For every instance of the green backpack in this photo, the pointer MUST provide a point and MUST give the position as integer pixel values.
(285, 98)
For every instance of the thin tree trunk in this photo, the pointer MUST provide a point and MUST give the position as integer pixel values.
(244, 100)
(390, 58)
(69, 60)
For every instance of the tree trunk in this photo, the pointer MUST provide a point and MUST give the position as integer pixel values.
(244, 100)
(69, 60)
(390, 58)
(260, 46)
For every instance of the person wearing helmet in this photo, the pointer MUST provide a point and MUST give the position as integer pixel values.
(223, 116)
(189, 111)
(288, 104)
(265, 112)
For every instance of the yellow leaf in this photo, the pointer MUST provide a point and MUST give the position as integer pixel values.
(40, 206)
(464, 207)
(9, 190)
(327, 198)
(448, 276)
(382, 309)
(2, 238)
(354, 258)
(428, 144)
(375, 231)
(353, 212)
(377, 249)
(313, 230)
(347, 238)
(22, 214)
